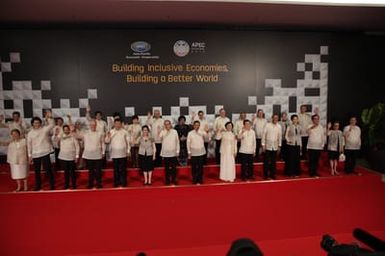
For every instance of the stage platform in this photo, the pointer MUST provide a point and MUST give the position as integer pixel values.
(284, 216)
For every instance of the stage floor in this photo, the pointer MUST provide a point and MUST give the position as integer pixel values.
(284, 217)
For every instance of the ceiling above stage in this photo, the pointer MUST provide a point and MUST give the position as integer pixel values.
(250, 13)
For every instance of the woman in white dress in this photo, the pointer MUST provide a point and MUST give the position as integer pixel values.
(228, 152)
(17, 158)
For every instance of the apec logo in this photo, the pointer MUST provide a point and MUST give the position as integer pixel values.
(181, 48)
(140, 47)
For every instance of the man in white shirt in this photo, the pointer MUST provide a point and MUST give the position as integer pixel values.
(40, 148)
(259, 123)
(304, 122)
(57, 130)
(238, 126)
(94, 152)
(169, 151)
(315, 144)
(219, 127)
(352, 134)
(68, 155)
(196, 152)
(119, 141)
(203, 127)
(155, 123)
(101, 125)
(271, 144)
(247, 150)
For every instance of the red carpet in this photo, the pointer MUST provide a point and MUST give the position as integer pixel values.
(285, 217)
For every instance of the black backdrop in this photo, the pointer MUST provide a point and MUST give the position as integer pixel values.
(76, 60)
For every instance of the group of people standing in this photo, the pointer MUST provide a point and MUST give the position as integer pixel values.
(158, 143)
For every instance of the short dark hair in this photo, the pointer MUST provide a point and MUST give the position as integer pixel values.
(229, 123)
(181, 117)
(200, 111)
(145, 127)
(293, 116)
(98, 112)
(36, 118)
(66, 126)
(117, 120)
(196, 121)
(314, 116)
(135, 117)
(59, 118)
(16, 113)
(245, 121)
(15, 130)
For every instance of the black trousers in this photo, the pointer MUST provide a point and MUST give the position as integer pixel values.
(217, 151)
(269, 164)
(283, 155)
(350, 161)
(170, 164)
(238, 158)
(46, 161)
(197, 168)
(94, 172)
(304, 140)
(292, 162)
(120, 171)
(158, 158)
(257, 147)
(314, 155)
(69, 173)
(205, 156)
(57, 161)
(247, 171)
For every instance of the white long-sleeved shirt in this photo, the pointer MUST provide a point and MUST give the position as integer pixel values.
(238, 126)
(259, 125)
(195, 143)
(203, 125)
(119, 143)
(304, 121)
(219, 126)
(94, 147)
(293, 135)
(317, 137)
(170, 143)
(101, 125)
(134, 130)
(39, 140)
(248, 141)
(69, 147)
(17, 152)
(272, 136)
(352, 136)
(155, 124)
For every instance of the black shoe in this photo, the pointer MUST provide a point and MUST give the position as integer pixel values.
(273, 177)
(37, 189)
(244, 179)
(52, 188)
(265, 177)
(99, 186)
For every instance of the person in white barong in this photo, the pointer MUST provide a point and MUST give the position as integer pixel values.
(228, 152)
